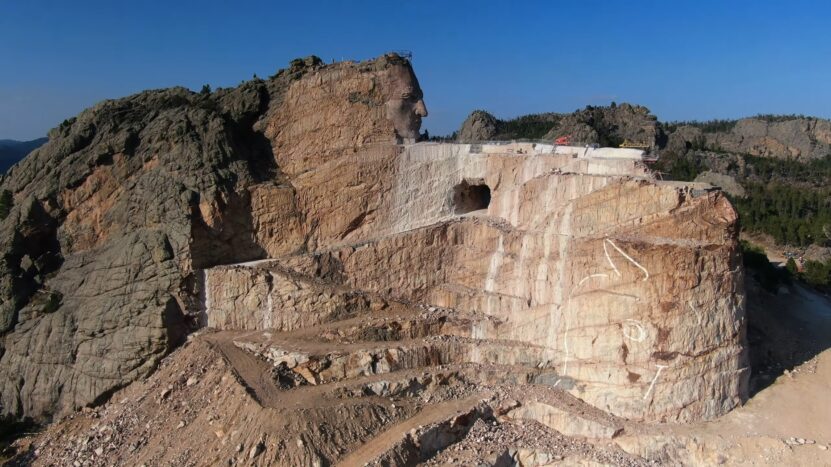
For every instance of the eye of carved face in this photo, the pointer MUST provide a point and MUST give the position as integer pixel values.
(411, 94)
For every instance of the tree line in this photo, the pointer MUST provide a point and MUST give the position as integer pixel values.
(791, 214)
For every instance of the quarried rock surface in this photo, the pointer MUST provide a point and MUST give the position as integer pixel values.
(370, 300)
(631, 287)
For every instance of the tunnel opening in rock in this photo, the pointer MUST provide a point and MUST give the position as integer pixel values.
(470, 196)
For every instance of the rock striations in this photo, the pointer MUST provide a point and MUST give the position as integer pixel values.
(415, 289)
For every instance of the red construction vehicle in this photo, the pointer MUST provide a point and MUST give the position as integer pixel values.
(563, 140)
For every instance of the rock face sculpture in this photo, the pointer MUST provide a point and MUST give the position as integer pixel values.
(291, 210)
(405, 105)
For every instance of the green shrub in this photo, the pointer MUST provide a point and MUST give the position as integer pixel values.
(817, 273)
(533, 126)
(674, 167)
(791, 267)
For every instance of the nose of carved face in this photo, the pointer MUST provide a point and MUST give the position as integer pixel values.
(420, 108)
(406, 116)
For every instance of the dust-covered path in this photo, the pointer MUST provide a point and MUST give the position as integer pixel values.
(255, 373)
(387, 440)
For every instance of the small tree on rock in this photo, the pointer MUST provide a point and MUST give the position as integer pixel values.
(790, 265)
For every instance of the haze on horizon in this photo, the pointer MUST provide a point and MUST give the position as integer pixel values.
(684, 60)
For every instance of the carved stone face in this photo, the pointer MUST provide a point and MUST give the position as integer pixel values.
(405, 107)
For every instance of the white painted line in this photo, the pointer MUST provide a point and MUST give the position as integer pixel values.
(646, 273)
(609, 259)
(590, 276)
(652, 385)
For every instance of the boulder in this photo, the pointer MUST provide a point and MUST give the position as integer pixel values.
(478, 126)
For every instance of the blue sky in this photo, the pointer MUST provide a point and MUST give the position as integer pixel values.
(682, 59)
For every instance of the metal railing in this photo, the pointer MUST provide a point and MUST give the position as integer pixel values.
(403, 54)
(506, 141)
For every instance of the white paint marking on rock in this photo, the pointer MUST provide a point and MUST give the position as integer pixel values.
(609, 258)
(645, 272)
(590, 276)
(652, 384)
(637, 325)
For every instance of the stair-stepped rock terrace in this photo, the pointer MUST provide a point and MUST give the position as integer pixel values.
(629, 288)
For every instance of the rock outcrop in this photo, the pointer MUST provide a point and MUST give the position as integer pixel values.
(478, 126)
(112, 217)
(610, 126)
(781, 137)
(606, 126)
(801, 138)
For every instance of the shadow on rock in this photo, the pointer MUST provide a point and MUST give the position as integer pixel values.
(785, 330)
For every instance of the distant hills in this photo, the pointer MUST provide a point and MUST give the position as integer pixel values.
(777, 136)
(12, 151)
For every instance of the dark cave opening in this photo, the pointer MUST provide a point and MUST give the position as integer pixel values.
(469, 197)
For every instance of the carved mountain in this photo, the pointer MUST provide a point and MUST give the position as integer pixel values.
(364, 298)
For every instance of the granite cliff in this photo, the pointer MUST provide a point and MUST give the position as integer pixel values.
(111, 217)
(781, 137)
(416, 290)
